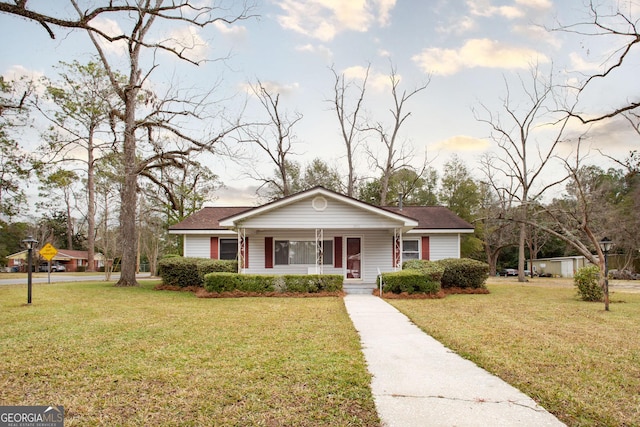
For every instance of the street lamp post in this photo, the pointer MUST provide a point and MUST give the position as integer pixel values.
(606, 244)
(29, 242)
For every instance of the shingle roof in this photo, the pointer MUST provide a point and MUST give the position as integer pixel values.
(432, 217)
(208, 218)
(428, 217)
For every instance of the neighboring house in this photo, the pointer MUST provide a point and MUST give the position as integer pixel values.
(70, 259)
(558, 267)
(320, 231)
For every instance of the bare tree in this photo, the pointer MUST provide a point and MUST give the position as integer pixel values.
(523, 158)
(140, 17)
(276, 138)
(581, 219)
(614, 24)
(349, 121)
(396, 153)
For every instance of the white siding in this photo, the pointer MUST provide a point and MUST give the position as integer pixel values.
(444, 246)
(376, 252)
(336, 215)
(197, 246)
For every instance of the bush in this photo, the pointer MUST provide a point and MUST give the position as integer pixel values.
(464, 273)
(183, 272)
(410, 282)
(432, 269)
(586, 279)
(300, 283)
(312, 283)
(226, 282)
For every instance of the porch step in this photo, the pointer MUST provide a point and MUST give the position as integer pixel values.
(360, 288)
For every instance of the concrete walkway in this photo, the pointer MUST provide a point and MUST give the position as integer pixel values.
(419, 382)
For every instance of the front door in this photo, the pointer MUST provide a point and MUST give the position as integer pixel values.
(354, 258)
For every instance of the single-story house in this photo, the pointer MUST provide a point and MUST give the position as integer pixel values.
(70, 259)
(324, 232)
(559, 266)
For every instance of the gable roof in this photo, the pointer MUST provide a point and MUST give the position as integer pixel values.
(417, 217)
(231, 221)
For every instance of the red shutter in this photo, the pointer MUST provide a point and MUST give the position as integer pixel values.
(268, 252)
(337, 252)
(246, 252)
(425, 247)
(213, 252)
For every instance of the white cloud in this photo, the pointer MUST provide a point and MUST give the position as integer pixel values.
(461, 143)
(578, 63)
(377, 81)
(323, 19)
(536, 4)
(111, 28)
(235, 31)
(538, 34)
(486, 9)
(187, 41)
(24, 79)
(272, 88)
(460, 25)
(320, 50)
(477, 53)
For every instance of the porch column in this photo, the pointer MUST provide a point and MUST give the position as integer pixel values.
(319, 250)
(397, 249)
(241, 249)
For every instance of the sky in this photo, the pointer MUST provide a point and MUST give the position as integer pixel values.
(467, 52)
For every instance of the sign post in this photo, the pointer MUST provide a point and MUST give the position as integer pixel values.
(48, 252)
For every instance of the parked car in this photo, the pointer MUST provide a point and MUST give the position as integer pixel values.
(54, 268)
(508, 272)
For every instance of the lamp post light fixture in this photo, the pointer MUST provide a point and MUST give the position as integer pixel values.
(29, 242)
(606, 244)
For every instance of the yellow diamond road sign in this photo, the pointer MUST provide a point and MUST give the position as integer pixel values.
(48, 252)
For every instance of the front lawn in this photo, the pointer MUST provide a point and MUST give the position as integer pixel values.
(578, 361)
(135, 356)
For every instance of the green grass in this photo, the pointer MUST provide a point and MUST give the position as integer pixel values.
(578, 361)
(135, 356)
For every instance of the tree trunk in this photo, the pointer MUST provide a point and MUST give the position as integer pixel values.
(91, 209)
(128, 196)
(521, 259)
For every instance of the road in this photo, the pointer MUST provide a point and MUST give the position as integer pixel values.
(61, 277)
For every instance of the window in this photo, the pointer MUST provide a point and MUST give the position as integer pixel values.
(302, 252)
(410, 250)
(228, 249)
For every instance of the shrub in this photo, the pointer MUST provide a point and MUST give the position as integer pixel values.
(300, 283)
(183, 272)
(586, 279)
(464, 273)
(432, 269)
(409, 281)
(226, 282)
(312, 283)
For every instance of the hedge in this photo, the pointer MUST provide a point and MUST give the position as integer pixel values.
(432, 269)
(299, 283)
(464, 273)
(409, 281)
(183, 272)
